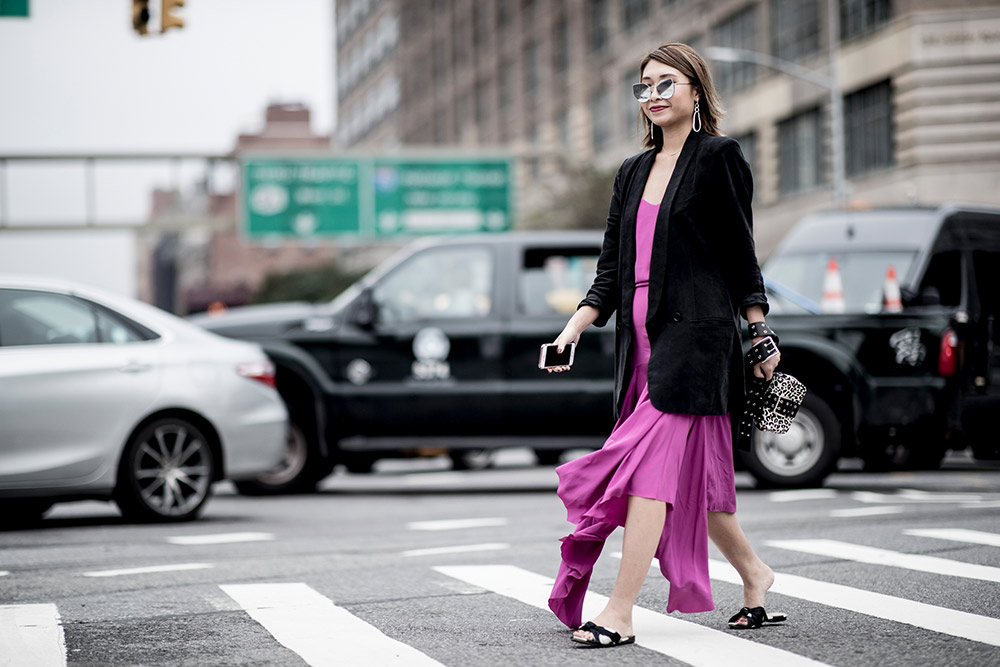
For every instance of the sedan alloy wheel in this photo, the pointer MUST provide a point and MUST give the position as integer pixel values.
(166, 473)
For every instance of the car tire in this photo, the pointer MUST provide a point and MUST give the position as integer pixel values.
(548, 457)
(804, 456)
(166, 472)
(301, 468)
(471, 459)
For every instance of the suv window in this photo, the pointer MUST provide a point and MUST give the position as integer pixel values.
(30, 317)
(553, 281)
(449, 282)
(945, 275)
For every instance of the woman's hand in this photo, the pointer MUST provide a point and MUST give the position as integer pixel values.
(765, 369)
(568, 335)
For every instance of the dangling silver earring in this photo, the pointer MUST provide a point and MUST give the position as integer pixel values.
(696, 119)
(651, 128)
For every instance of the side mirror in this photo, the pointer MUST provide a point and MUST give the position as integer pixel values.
(930, 296)
(364, 313)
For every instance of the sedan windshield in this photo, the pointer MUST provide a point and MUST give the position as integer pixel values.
(863, 276)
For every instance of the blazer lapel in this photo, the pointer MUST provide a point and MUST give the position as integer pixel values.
(657, 268)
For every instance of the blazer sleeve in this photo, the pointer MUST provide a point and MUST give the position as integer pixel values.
(605, 294)
(735, 183)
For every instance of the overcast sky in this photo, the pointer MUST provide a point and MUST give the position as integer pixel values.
(75, 78)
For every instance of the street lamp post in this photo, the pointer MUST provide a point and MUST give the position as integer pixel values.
(829, 81)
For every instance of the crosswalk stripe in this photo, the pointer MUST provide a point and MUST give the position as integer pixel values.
(939, 619)
(176, 567)
(30, 634)
(457, 549)
(957, 535)
(220, 538)
(458, 524)
(875, 556)
(796, 495)
(865, 511)
(688, 642)
(319, 631)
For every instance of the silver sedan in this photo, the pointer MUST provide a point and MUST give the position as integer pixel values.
(107, 397)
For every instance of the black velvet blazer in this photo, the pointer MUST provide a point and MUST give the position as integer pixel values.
(703, 275)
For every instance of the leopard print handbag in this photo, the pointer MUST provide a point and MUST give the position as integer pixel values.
(778, 403)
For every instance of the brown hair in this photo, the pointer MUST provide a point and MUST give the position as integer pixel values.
(686, 61)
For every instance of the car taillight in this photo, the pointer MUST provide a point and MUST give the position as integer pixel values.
(261, 371)
(947, 358)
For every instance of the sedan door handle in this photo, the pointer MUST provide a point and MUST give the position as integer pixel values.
(135, 367)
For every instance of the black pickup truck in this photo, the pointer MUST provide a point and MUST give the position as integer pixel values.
(436, 350)
(896, 387)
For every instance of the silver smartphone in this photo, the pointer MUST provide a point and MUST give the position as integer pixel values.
(550, 357)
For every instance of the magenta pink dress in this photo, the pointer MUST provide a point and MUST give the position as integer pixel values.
(685, 461)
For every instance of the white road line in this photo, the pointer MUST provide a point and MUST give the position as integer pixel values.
(220, 538)
(457, 524)
(30, 634)
(875, 556)
(688, 642)
(319, 631)
(865, 511)
(4, 573)
(148, 570)
(957, 535)
(980, 504)
(937, 497)
(939, 619)
(459, 549)
(796, 495)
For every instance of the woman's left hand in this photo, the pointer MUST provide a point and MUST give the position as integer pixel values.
(765, 369)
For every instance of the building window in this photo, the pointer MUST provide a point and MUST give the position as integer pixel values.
(748, 145)
(794, 28)
(636, 11)
(600, 113)
(506, 85)
(630, 109)
(560, 49)
(483, 104)
(860, 17)
(503, 12)
(480, 24)
(799, 152)
(598, 25)
(529, 67)
(739, 31)
(869, 128)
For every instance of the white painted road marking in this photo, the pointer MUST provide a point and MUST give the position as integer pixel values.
(177, 567)
(796, 495)
(220, 538)
(689, 642)
(30, 634)
(957, 535)
(939, 619)
(4, 573)
(875, 556)
(458, 524)
(865, 511)
(458, 549)
(319, 631)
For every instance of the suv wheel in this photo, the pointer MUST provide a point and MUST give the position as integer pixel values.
(300, 469)
(802, 457)
(166, 472)
(471, 459)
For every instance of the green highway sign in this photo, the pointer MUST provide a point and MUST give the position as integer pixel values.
(373, 197)
(14, 8)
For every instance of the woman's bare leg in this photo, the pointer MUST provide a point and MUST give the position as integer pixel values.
(725, 532)
(643, 528)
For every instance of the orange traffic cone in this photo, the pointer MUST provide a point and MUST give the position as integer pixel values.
(892, 300)
(833, 290)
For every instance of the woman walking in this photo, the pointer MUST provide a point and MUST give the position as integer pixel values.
(678, 266)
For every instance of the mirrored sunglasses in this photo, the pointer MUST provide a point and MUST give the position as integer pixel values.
(665, 87)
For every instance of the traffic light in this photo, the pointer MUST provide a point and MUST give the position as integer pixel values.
(167, 19)
(140, 16)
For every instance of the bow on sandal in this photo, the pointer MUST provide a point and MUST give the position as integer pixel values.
(755, 618)
(603, 638)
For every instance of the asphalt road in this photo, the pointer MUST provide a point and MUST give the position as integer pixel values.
(420, 565)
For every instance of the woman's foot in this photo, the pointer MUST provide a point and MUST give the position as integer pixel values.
(755, 589)
(621, 625)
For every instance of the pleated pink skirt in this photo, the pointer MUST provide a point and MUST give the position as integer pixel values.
(683, 460)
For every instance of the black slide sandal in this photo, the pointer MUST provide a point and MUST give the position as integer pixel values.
(603, 638)
(755, 618)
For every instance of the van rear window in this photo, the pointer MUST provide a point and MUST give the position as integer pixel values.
(553, 281)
